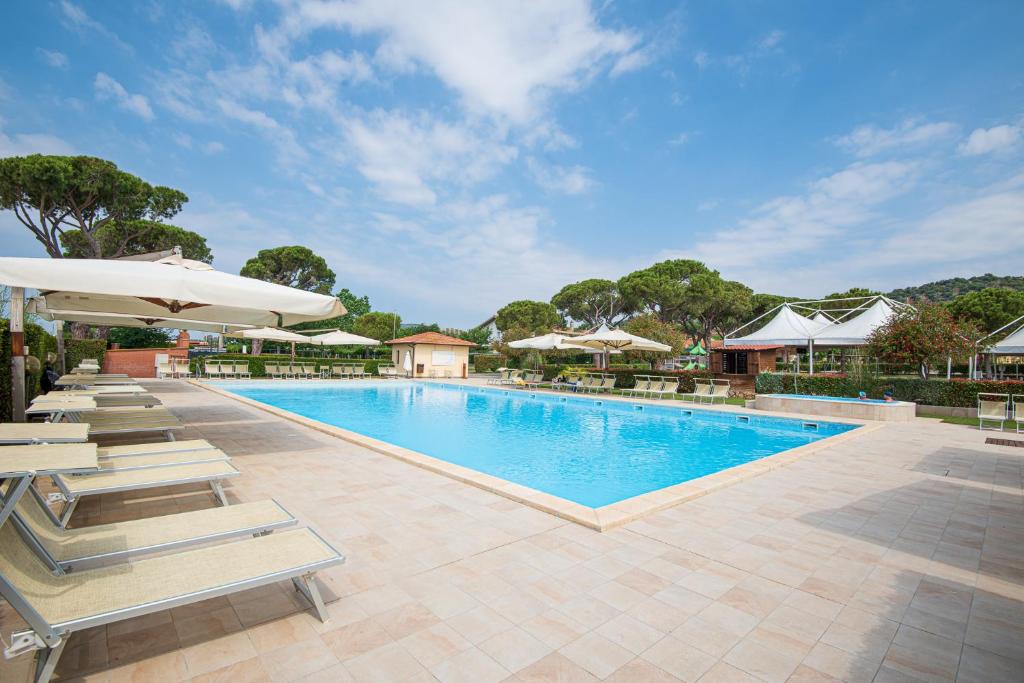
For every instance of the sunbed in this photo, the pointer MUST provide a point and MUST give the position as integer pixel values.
(212, 369)
(227, 370)
(42, 432)
(242, 370)
(513, 377)
(164, 370)
(667, 386)
(641, 385)
(73, 489)
(992, 408)
(503, 375)
(359, 371)
(273, 371)
(1018, 411)
(341, 370)
(64, 550)
(154, 447)
(102, 400)
(56, 606)
(117, 421)
(720, 389)
(701, 390)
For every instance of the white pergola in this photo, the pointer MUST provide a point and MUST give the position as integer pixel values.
(1010, 345)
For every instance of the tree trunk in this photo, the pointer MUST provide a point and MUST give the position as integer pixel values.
(924, 371)
(257, 347)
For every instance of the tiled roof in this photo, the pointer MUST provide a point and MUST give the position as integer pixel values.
(431, 338)
(717, 346)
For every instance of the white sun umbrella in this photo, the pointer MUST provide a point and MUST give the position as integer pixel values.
(549, 342)
(606, 339)
(407, 365)
(37, 306)
(272, 334)
(170, 288)
(342, 338)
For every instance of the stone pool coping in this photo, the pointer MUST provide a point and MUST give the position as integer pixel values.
(600, 519)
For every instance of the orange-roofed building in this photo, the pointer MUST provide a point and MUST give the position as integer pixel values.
(431, 354)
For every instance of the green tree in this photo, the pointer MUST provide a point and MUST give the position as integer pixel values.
(713, 305)
(51, 195)
(355, 306)
(661, 288)
(139, 337)
(762, 303)
(130, 238)
(837, 302)
(922, 338)
(594, 302)
(989, 308)
(409, 330)
(527, 317)
(378, 325)
(650, 326)
(293, 266)
(481, 336)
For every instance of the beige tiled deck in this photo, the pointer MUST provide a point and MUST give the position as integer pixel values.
(898, 555)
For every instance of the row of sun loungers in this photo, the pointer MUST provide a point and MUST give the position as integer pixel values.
(61, 580)
(1000, 408)
(651, 386)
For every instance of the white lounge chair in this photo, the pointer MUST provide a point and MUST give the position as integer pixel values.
(242, 370)
(720, 389)
(641, 385)
(212, 369)
(992, 408)
(54, 607)
(1018, 411)
(701, 390)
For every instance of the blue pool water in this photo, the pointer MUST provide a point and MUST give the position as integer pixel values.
(570, 447)
(844, 399)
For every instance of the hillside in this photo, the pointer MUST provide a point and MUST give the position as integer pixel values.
(946, 290)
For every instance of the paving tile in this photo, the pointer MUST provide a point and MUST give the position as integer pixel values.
(515, 649)
(387, 663)
(923, 655)
(596, 654)
(679, 659)
(630, 633)
(555, 668)
(470, 666)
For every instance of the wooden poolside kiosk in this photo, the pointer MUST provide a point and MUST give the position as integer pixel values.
(431, 354)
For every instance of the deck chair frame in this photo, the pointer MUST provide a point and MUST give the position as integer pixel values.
(983, 417)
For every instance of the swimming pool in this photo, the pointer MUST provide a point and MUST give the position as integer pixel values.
(589, 452)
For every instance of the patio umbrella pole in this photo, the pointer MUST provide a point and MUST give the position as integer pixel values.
(61, 362)
(17, 354)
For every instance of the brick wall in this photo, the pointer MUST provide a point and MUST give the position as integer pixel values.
(138, 362)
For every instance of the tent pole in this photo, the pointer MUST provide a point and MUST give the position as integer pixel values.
(61, 361)
(17, 328)
(949, 367)
(810, 356)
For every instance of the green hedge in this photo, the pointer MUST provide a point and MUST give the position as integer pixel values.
(488, 362)
(39, 342)
(6, 407)
(77, 349)
(257, 364)
(956, 393)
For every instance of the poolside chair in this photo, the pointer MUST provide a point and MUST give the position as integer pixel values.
(701, 390)
(227, 370)
(164, 370)
(309, 370)
(720, 389)
(180, 368)
(503, 374)
(992, 408)
(74, 488)
(103, 422)
(211, 369)
(56, 606)
(111, 452)
(359, 371)
(42, 432)
(531, 380)
(641, 385)
(242, 370)
(346, 372)
(64, 550)
(102, 400)
(338, 370)
(667, 386)
(1018, 411)
(606, 384)
(272, 371)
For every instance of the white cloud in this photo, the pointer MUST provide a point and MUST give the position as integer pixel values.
(408, 158)
(213, 147)
(108, 88)
(998, 139)
(702, 59)
(771, 41)
(23, 144)
(570, 180)
(289, 151)
(182, 140)
(832, 210)
(869, 140)
(680, 139)
(57, 60)
(502, 59)
(76, 19)
(708, 205)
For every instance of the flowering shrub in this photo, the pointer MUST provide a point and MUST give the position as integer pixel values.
(960, 393)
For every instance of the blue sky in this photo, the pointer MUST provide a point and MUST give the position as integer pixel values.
(448, 157)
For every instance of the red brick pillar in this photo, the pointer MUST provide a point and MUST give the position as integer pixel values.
(183, 339)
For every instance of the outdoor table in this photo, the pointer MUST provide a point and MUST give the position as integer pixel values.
(43, 432)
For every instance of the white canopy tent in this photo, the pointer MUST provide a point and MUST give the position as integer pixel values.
(1012, 345)
(855, 330)
(786, 328)
(171, 288)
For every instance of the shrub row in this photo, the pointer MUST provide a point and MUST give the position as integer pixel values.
(488, 362)
(77, 349)
(257, 364)
(39, 342)
(956, 393)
